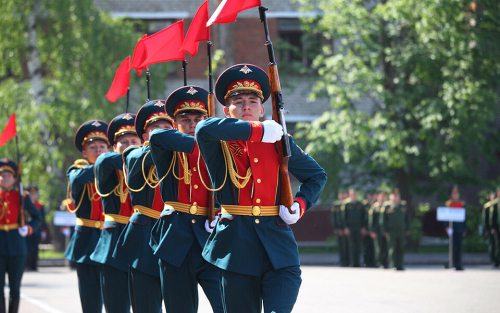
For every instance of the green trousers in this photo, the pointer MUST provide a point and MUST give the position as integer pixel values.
(369, 251)
(382, 251)
(355, 246)
(396, 249)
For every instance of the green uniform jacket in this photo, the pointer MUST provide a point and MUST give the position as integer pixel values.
(240, 243)
(394, 218)
(353, 214)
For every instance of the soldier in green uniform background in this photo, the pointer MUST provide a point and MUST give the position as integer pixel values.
(353, 217)
(493, 226)
(373, 228)
(34, 240)
(368, 241)
(395, 225)
(485, 218)
(338, 229)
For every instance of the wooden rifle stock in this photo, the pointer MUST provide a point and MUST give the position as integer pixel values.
(211, 195)
(286, 196)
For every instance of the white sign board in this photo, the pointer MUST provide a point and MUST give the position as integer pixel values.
(445, 214)
(64, 219)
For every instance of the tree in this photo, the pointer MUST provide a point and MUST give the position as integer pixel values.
(414, 91)
(57, 61)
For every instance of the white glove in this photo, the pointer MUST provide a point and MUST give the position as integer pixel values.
(212, 225)
(272, 131)
(23, 231)
(290, 218)
(449, 231)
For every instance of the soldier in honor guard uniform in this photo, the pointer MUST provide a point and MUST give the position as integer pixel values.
(252, 243)
(373, 227)
(353, 217)
(91, 141)
(34, 240)
(133, 244)
(13, 248)
(368, 241)
(485, 218)
(180, 234)
(494, 223)
(111, 186)
(339, 230)
(394, 222)
(459, 228)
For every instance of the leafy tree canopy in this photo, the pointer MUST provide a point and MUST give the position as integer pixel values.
(414, 91)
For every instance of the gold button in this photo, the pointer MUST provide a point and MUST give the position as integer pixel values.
(195, 186)
(193, 209)
(193, 221)
(258, 180)
(194, 169)
(258, 200)
(97, 224)
(256, 160)
(256, 210)
(257, 221)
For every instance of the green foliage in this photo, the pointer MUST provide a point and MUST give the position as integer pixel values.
(80, 49)
(414, 90)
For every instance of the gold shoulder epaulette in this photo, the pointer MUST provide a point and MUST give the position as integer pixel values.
(487, 204)
(41, 202)
(81, 163)
(447, 203)
(346, 200)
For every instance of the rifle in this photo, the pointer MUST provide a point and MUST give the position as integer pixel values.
(211, 112)
(20, 182)
(284, 152)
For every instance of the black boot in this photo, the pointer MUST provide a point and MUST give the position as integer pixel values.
(14, 305)
(2, 305)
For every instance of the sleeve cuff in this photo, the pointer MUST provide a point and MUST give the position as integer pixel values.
(302, 204)
(256, 131)
(30, 230)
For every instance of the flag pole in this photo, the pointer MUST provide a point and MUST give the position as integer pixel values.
(20, 181)
(147, 82)
(184, 71)
(128, 98)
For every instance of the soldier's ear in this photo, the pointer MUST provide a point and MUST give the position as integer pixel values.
(261, 110)
(226, 112)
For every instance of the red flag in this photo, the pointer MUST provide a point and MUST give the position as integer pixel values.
(9, 131)
(227, 10)
(139, 56)
(164, 45)
(198, 30)
(120, 82)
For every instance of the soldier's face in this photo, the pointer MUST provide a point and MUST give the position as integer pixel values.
(395, 197)
(92, 150)
(125, 141)
(381, 197)
(7, 180)
(186, 123)
(33, 195)
(161, 124)
(455, 196)
(247, 107)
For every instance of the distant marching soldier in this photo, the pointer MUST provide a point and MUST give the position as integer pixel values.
(368, 241)
(35, 239)
(13, 248)
(117, 206)
(495, 223)
(252, 243)
(373, 227)
(338, 229)
(91, 141)
(181, 232)
(459, 228)
(133, 244)
(395, 225)
(353, 217)
(485, 218)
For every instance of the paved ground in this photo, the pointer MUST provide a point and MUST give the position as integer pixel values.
(324, 289)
